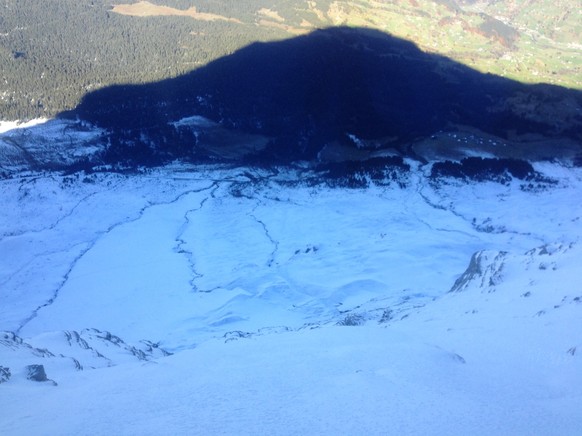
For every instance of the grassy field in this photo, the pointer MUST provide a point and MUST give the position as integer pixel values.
(147, 9)
(536, 50)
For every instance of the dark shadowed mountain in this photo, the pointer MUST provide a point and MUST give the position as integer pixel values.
(337, 85)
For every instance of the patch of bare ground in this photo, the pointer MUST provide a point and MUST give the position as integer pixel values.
(271, 18)
(273, 15)
(147, 9)
(289, 29)
(318, 13)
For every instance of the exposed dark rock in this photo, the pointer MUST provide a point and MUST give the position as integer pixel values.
(10, 339)
(473, 271)
(153, 347)
(4, 374)
(234, 335)
(352, 319)
(387, 315)
(37, 373)
(485, 271)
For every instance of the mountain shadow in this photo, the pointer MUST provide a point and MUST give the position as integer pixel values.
(349, 86)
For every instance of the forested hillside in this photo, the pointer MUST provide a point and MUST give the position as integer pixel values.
(342, 86)
(53, 53)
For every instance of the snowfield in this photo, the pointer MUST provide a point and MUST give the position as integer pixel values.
(47, 143)
(212, 300)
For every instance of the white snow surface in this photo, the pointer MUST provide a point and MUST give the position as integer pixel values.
(6, 126)
(287, 307)
(47, 143)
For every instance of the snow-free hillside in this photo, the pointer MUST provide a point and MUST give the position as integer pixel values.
(212, 300)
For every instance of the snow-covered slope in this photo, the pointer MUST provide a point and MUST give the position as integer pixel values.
(212, 300)
(47, 143)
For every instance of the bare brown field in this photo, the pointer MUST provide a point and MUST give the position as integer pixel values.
(289, 29)
(147, 9)
(271, 14)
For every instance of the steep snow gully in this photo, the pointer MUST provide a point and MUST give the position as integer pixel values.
(454, 293)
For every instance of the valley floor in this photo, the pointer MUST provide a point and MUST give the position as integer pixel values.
(212, 300)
